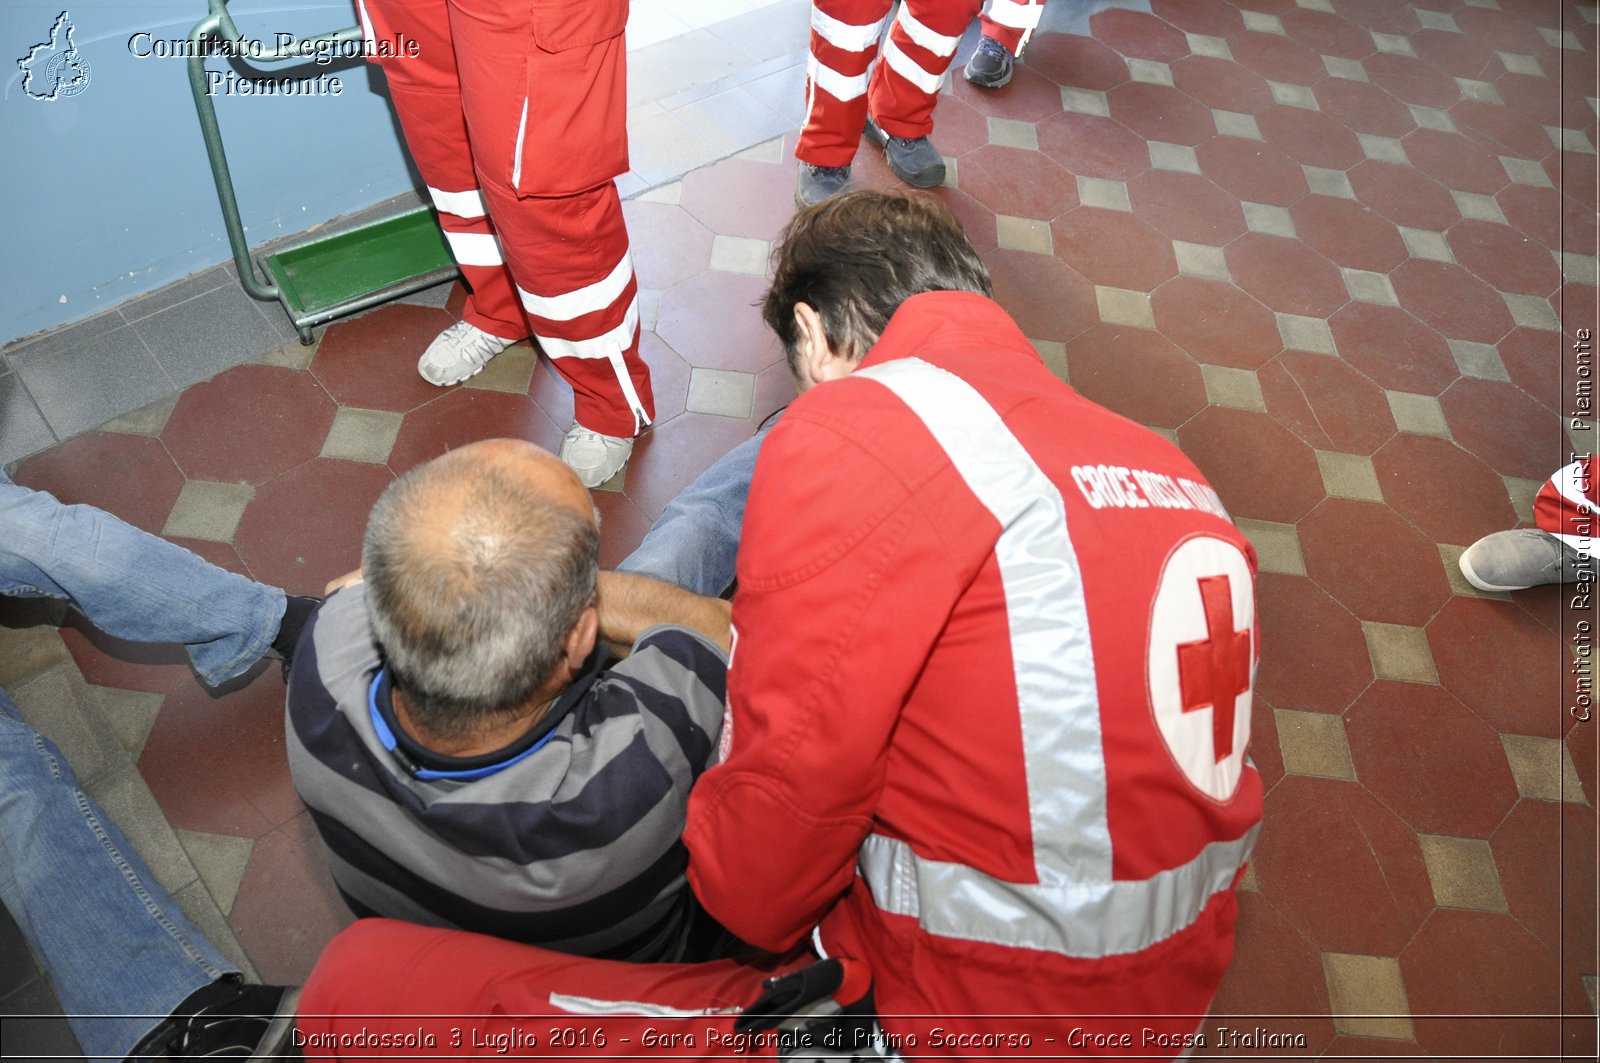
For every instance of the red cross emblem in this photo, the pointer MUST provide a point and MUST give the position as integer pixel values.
(1216, 670)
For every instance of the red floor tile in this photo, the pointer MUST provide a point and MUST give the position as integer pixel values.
(1215, 322)
(1186, 206)
(1455, 161)
(1430, 760)
(1213, 18)
(1223, 85)
(1363, 107)
(1396, 350)
(467, 415)
(1458, 54)
(1574, 173)
(775, 389)
(1501, 131)
(1500, 30)
(713, 322)
(1278, 58)
(1450, 496)
(287, 908)
(1326, 403)
(622, 526)
(1265, 753)
(370, 362)
(1371, 1048)
(1503, 665)
(1412, 80)
(1381, 16)
(669, 380)
(1349, 233)
(668, 244)
(216, 764)
(1364, 859)
(1275, 983)
(1373, 562)
(300, 546)
(667, 459)
(1452, 300)
(1252, 171)
(1404, 196)
(975, 218)
(738, 197)
(1139, 35)
(132, 477)
(1539, 362)
(959, 127)
(1310, 137)
(1541, 214)
(1047, 298)
(1577, 306)
(1582, 746)
(1081, 62)
(1528, 96)
(1093, 146)
(1157, 112)
(1484, 965)
(284, 415)
(1544, 852)
(1322, 674)
(1258, 467)
(1327, 34)
(1514, 434)
(1021, 183)
(1030, 97)
(112, 662)
(1109, 247)
(1286, 275)
(1115, 367)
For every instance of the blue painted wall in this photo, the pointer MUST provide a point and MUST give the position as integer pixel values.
(106, 194)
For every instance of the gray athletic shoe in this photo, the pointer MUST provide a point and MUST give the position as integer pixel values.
(1519, 559)
(990, 66)
(816, 183)
(916, 162)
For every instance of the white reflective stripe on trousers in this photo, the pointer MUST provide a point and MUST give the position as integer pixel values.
(908, 68)
(840, 86)
(586, 300)
(466, 204)
(475, 249)
(843, 35)
(1018, 16)
(1076, 908)
(924, 37)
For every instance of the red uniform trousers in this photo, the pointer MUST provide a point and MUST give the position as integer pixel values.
(385, 988)
(843, 86)
(516, 117)
(1011, 22)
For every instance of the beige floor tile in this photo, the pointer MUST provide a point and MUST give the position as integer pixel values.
(368, 435)
(145, 421)
(1543, 768)
(1103, 193)
(511, 371)
(1419, 414)
(1367, 996)
(1238, 388)
(30, 645)
(1313, 743)
(1400, 652)
(739, 254)
(130, 804)
(1349, 476)
(1310, 334)
(722, 392)
(127, 714)
(220, 860)
(1010, 133)
(1277, 546)
(209, 511)
(1201, 260)
(292, 355)
(1451, 557)
(1462, 873)
(1024, 234)
(1120, 306)
(1478, 360)
(1054, 356)
(1178, 157)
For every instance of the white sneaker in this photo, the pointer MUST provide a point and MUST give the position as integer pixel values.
(594, 457)
(460, 351)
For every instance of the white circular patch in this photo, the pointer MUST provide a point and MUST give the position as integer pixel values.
(1201, 661)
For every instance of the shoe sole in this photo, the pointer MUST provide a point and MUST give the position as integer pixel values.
(915, 180)
(279, 1030)
(453, 382)
(984, 83)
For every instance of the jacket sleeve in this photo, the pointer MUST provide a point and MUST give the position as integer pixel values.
(841, 593)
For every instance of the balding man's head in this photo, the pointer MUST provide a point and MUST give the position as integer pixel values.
(478, 564)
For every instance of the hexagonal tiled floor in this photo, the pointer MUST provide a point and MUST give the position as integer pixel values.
(1330, 246)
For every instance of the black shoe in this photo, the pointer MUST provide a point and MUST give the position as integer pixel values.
(297, 609)
(226, 1020)
(990, 65)
(816, 183)
(916, 162)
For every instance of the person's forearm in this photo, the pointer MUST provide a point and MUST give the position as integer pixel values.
(630, 605)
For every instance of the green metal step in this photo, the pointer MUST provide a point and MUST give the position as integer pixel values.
(342, 272)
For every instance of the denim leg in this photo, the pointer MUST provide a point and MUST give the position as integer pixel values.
(120, 952)
(696, 539)
(132, 584)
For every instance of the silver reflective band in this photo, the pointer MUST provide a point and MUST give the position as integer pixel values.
(586, 300)
(843, 35)
(924, 37)
(475, 249)
(907, 67)
(835, 84)
(1076, 909)
(1087, 920)
(467, 204)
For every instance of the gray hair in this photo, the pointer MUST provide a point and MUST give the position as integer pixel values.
(473, 581)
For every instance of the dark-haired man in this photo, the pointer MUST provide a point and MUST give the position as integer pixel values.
(988, 711)
(469, 752)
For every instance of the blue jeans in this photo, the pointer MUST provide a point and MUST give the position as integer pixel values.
(121, 954)
(132, 584)
(694, 542)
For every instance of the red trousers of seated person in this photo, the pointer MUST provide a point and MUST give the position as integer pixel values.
(1011, 22)
(516, 117)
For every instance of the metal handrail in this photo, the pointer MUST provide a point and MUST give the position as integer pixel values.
(219, 24)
